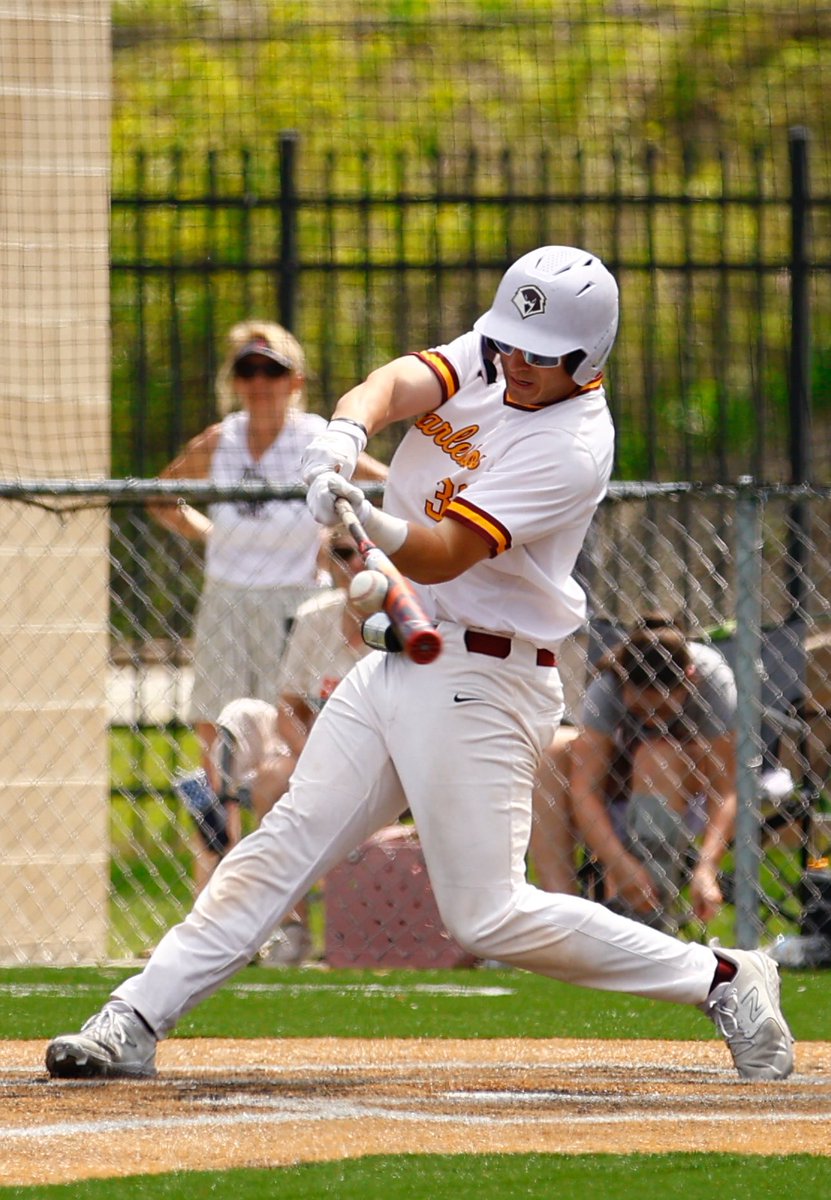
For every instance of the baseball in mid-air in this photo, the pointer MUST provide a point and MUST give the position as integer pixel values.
(367, 591)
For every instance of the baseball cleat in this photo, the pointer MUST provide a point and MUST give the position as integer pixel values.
(746, 1013)
(114, 1043)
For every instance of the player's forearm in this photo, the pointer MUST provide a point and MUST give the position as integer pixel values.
(403, 388)
(370, 402)
(425, 557)
(437, 553)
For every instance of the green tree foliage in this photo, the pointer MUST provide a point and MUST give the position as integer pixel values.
(428, 73)
(684, 99)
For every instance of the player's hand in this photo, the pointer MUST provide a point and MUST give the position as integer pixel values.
(325, 489)
(705, 893)
(336, 449)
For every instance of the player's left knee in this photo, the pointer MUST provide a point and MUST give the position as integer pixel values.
(483, 934)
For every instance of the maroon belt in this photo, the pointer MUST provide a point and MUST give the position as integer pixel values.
(496, 646)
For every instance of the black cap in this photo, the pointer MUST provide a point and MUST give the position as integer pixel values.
(260, 346)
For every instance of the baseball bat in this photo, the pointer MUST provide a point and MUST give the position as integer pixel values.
(420, 640)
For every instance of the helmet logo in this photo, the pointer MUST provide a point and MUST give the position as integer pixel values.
(529, 301)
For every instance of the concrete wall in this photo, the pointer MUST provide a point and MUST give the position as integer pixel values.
(54, 422)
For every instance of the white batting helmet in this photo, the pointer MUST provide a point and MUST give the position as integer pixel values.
(553, 301)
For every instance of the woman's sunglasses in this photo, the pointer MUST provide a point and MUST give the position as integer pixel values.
(248, 369)
(533, 359)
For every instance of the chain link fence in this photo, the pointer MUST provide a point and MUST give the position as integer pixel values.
(743, 570)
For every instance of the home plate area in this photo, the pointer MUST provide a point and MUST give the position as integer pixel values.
(217, 1104)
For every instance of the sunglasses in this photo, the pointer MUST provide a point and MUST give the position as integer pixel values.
(344, 553)
(533, 359)
(246, 369)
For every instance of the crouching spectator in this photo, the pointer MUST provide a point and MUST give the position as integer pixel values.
(647, 781)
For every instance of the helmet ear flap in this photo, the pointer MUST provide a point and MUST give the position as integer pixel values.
(572, 360)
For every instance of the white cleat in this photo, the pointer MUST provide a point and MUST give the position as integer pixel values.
(115, 1043)
(746, 1013)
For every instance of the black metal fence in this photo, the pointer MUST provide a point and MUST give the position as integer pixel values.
(724, 264)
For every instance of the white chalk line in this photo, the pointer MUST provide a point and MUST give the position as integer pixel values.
(277, 1111)
(300, 988)
(176, 1075)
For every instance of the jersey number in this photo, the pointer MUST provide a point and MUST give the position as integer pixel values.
(444, 493)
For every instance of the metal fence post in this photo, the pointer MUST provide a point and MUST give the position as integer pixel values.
(748, 852)
(288, 229)
(800, 361)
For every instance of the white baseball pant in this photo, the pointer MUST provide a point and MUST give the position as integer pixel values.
(457, 742)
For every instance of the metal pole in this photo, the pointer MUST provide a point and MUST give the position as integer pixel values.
(288, 228)
(748, 851)
(800, 363)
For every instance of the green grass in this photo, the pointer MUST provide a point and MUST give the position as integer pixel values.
(38, 1002)
(459, 1177)
(147, 899)
(145, 759)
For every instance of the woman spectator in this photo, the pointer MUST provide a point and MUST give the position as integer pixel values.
(261, 557)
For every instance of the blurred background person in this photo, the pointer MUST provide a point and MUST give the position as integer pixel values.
(647, 783)
(258, 742)
(261, 557)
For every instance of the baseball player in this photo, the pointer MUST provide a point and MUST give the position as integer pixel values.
(489, 498)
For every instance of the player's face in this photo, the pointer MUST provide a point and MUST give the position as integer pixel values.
(535, 385)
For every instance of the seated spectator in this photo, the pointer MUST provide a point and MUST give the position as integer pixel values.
(650, 771)
(258, 743)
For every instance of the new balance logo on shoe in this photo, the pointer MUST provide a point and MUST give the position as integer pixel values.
(755, 1005)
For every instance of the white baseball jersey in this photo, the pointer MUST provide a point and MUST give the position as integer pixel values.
(262, 543)
(458, 740)
(527, 480)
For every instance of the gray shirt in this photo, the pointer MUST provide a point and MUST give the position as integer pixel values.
(709, 712)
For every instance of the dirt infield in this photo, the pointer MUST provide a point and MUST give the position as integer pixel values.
(273, 1103)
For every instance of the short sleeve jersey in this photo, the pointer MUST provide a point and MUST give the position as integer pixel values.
(709, 713)
(526, 479)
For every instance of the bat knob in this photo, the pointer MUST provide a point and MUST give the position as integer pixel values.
(424, 646)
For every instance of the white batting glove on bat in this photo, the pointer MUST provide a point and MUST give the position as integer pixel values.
(387, 532)
(336, 449)
(320, 498)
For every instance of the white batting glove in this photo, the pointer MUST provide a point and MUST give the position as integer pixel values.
(387, 532)
(336, 449)
(324, 490)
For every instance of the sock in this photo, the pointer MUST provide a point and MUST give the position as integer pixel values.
(725, 971)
